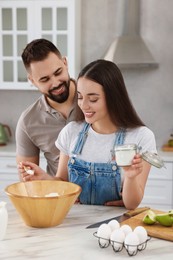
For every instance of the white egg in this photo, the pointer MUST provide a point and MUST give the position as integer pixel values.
(104, 233)
(126, 229)
(114, 224)
(117, 239)
(142, 235)
(131, 243)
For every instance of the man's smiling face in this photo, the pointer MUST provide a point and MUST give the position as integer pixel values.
(51, 77)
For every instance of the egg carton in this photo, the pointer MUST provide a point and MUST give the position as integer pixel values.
(118, 247)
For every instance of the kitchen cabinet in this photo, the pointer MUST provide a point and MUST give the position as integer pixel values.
(158, 192)
(159, 187)
(23, 21)
(8, 172)
(8, 166)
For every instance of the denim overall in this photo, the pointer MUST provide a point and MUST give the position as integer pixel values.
(100, 182)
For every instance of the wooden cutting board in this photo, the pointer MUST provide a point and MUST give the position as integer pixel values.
(155, 230)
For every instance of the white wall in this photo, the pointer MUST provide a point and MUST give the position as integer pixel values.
(150, 89)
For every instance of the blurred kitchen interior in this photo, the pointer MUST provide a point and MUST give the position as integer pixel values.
(150, 88)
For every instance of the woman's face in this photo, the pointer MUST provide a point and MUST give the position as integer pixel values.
(91, 100)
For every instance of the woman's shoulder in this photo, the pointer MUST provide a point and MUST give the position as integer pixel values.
(141, 130)
(68, 134)
(73, 127)
(142, 136)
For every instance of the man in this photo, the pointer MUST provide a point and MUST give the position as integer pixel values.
(40, 124)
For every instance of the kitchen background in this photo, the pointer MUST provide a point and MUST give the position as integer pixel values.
(150, 89)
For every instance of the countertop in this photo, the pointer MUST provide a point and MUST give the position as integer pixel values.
(71, 239)
(9, 150)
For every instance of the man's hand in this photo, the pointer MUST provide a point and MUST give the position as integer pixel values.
(38, 173)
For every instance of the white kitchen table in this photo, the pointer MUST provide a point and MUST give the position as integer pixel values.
(71, 239)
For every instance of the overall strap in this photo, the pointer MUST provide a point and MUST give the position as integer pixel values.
(81, 139)
(120, 137)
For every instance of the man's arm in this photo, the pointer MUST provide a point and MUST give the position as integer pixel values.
(26, 149)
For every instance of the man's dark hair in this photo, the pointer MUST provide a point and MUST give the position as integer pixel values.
(38, 50)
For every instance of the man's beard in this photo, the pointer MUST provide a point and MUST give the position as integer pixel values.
(60, 98)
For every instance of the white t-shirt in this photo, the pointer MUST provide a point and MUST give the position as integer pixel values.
(97, 147)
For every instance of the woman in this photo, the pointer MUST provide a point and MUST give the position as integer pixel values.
(87, 144)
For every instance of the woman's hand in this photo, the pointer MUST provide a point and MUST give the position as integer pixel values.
(135, 169)
(130, 173)
(38, 173)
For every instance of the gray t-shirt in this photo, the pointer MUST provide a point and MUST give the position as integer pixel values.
(37, 129)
